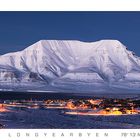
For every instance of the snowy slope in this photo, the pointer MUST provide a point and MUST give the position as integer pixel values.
(69, 64)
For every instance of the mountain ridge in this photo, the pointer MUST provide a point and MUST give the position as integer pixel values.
(71, 61)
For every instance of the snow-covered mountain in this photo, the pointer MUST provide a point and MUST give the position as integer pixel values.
(72, 65)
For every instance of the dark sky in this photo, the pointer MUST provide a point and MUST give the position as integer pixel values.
(21, 29)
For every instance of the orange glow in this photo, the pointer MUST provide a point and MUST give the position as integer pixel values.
(83, 106)
(102, 113)
(95, 102)
(78, 106)
(132, 111)
(3, 108)
(70, 105)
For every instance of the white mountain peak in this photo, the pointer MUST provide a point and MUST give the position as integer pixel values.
(71, 61)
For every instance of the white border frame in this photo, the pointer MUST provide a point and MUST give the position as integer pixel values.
(69, 5)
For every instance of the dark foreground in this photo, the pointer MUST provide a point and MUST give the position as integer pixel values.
(66, 111)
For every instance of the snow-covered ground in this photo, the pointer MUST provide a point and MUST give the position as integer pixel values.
(73, 89)
(55, 118)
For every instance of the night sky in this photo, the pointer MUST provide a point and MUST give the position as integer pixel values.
(18, 30)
